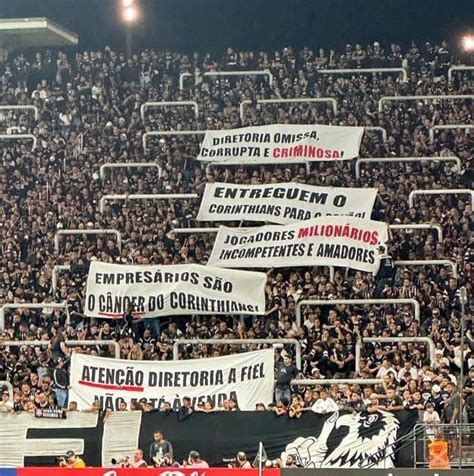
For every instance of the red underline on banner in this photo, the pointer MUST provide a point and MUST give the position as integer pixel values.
(106, 386)
(119, 314)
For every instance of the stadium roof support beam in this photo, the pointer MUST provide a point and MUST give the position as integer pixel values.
(381, 130)
(158, 104)
(458, 67)
(31, 137)
(69, 343)
(384, 160)
(447, 127)
(439, 97)
(331, 101)
(424, 340)
(54, 275)
(125, 165)
(25, 107)
(145, 196)
(457, 191)
(337, 72)
(146, 135)
(97, 231)
(355, 302)
(29, 305)
(242, 342)
(430, 262)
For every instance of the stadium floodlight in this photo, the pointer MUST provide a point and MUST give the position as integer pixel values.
(130, 14)
(468, 43)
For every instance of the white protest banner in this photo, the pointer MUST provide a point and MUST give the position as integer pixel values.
(283, 203)
(281, 142)
(153, 291)
(325, 241)
(247, 377)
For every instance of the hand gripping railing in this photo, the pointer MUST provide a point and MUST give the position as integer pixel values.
(382, 340)
(457, 191)
(54, 275)
(146, 135)
(126, 165)
(335, 72)
(19, 137)
(355, 302)
(241, 342)
(387, 160)
(332, 101)
(6, 383)
(419, 226)
(458, 67)
(88, 231)
(448, 127)
(377, 129)
(69, 343)
(158, 104)
(440, 97)
(430, 262)
(29, 305)
(21, 108)
(145, 196)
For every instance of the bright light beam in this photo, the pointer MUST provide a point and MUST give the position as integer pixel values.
(130, 14)
(468, 43)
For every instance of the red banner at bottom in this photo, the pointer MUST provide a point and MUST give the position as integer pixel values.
(143, 472)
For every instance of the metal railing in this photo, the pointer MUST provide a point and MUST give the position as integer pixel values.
(146, 135)
(158, 104)
(450, 432)
(29, 305)
(377, 129)
(448, 127)
(458, 191)
(88, 231)
(424, 340)
(458, 67)
(430, 262)
(386, 160)
(21, 108)
(6, 383)
(54, 275)
(334, 72)
(440, 97)
(331, 101)
(242, 342)
(261, 72)
(182, 76)
(31, 137)
(419, 226)
(307, 382)
(69, 343)
(355, 302)
(126, 165)
(144, 196)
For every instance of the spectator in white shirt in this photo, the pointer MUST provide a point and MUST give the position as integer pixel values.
(325, 404)
(407, 372)
(431, 417)
(385, 369)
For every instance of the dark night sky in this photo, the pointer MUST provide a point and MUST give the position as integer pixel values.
(214, 24)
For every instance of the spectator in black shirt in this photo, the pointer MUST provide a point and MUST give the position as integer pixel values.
(159, 448)
(185, 410)
(286, 371)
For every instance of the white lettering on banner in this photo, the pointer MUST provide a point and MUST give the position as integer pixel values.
(153, 291)
(325, 241)
(283, 203)
(281, 142)
(246, 377)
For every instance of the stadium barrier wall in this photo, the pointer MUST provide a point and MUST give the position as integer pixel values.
(375, 472)
(42, 471)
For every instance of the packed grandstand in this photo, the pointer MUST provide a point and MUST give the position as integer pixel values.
(89, 115)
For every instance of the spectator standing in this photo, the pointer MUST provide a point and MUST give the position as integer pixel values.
(286, 371)
(159, 447)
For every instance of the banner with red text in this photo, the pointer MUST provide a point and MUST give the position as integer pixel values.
(325, 241)
(283, 203)
(246, 377)
(153, 291)
(281, 143)
(137, 472)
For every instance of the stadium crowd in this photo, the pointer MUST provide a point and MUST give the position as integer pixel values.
(89, 115)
